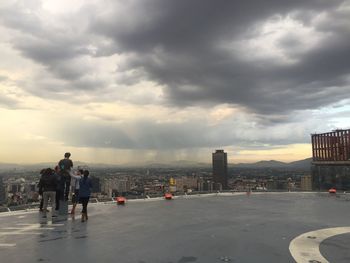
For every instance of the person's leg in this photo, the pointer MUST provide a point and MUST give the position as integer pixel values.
(76, 198)
(86, 212)
(62, 191)
(41, 203)
(53, 201)
(83, 212)
(67, 188)
(57, 200)
(74, 202)
(72, 212)
(45, 197)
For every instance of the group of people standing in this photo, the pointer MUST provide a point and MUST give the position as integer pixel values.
(56, 184)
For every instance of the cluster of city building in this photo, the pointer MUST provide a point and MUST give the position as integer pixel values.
(21, 191)
(330, 167)
(142, 183)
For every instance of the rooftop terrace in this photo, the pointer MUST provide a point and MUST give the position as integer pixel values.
(242, 228)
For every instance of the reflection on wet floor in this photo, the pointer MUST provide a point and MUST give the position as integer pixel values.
(46, 229)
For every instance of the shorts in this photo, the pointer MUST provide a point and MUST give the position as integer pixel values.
(75, 196)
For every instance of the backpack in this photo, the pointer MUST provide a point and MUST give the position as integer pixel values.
(65, 164)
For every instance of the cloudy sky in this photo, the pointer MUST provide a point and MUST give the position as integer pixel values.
(166, 80)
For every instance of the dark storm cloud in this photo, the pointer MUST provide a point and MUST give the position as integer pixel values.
(181, 44)
(48, 50)
(189, 48)
(59, 47)
(59, 56)
(188, 25)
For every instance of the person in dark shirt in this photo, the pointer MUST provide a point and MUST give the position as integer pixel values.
(65, 166)
(85, 186)
(48, 183)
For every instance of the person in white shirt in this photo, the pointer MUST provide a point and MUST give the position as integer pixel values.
(75, 188)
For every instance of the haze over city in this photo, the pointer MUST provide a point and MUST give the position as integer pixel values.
(160, 81)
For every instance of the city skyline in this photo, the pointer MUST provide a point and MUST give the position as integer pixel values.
(129, 82)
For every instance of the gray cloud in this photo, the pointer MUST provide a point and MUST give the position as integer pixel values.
(179, 44)
(184, 25)
(196, 51)
(195, 133)
(185, 46)
(48, 50)
(8, 102)
(3, 78)
(60, 46)
(145, 135)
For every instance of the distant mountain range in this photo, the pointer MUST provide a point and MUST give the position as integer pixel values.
(302, 164)
(38, 166)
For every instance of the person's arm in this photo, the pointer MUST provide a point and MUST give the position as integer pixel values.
(59, 163)
(75, 176)
(40, 186)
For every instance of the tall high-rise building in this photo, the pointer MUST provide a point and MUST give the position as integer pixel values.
(220, 168)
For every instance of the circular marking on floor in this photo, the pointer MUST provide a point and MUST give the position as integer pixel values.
(306, 247)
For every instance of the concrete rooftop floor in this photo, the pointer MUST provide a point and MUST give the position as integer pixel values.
(207, 228)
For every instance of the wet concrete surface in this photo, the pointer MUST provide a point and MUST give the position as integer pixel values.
(236, 228)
